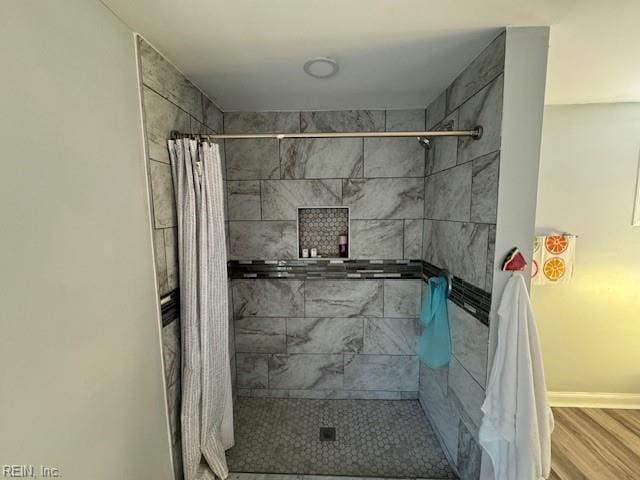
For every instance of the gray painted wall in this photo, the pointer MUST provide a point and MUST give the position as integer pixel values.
(82, 368)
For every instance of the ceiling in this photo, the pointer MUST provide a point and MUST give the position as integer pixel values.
(249, 54)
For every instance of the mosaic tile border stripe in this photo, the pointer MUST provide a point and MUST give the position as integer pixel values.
(472, 299)
(171, 309)
(468, 297)
(347, 269)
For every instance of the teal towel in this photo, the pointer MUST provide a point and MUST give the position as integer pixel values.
(434, 345)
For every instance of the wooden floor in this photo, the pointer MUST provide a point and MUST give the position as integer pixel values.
(590, 443)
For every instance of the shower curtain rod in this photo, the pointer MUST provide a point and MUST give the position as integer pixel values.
(474, 133)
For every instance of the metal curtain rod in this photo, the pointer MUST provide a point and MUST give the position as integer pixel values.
(475, 133)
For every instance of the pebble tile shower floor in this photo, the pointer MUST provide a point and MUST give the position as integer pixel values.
(374, 438)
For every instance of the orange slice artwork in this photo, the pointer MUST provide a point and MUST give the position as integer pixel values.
(556, 244)
(554, 268)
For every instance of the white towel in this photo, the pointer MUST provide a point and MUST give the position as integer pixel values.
(517, 424)
(553, 259)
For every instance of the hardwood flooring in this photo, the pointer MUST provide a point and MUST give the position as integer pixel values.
(595, 444)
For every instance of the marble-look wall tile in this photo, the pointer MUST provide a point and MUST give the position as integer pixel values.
(232, 332)
(234, 378)
(393, 157)
(263, 476)
(459, 247)
(252, 370)
(343, 298)
(161, 260)
(199, 127)
(436, 110)
(212, 116)
(160, 118)
(300, 371)
(405, 120)
(484, 188)
(164, 206)
(173, 407)
(260, 334)
(402, 298)
(333, 394)
(324, 335)
(171, 254)
(343, 121)
(268, 298)
(468, 393)
(243, 200)
(281, 198)
(409, 395)
(376, 239)
(434, 399)
(413, 239)
(444, 150)
(252, 159)
(469, 342)
(263, 240)
(321, 157)
(171, 358)
(158, 74)
(484, 68)
(390, 336)
(381, 372)
(485, 109)
(469, 455)
(232, 340)
(223, 159)
(171, 352)
(380, 198)
(447, 194)
(491, 253)
(261, 122)
(177, 459)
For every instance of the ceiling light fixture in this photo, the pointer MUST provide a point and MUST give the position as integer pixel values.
(321, 67)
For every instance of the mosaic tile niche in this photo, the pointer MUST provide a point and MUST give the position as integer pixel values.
(320, 227)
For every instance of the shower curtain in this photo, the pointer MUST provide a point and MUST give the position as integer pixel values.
(207, 412)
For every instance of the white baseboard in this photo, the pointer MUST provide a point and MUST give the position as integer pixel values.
(594, 400)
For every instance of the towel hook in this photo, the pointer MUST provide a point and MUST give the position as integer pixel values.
(446, 274)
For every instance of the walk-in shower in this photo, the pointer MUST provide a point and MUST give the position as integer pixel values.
(322, 350)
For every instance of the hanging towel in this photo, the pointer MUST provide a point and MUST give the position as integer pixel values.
(517, 424)
(434, 345)
(553, 259)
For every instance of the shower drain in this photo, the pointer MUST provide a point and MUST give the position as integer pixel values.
(327, 434)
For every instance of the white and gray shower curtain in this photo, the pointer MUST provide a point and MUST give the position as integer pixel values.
(207, 412)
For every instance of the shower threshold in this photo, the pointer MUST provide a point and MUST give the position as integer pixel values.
(305, 439)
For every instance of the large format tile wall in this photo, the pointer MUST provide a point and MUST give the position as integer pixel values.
(326, 338)
(460, 208)
(319, 337)
(381, 179)
(169, 102)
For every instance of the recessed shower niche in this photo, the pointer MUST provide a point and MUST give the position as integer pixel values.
(320, 228)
